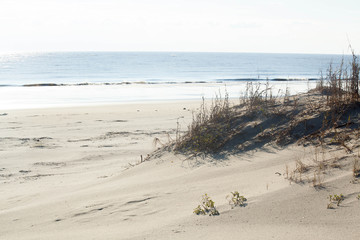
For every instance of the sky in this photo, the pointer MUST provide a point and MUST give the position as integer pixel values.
(274, 26)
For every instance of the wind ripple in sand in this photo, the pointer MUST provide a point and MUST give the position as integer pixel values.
(80, 140)
(101, 137)
(50, 164)
(92, 209)
(37, 176)
(41, 142)
(139, 201)
(130, 209)
(115, 134)
(88, 212)
(23, 175)
(109, 135)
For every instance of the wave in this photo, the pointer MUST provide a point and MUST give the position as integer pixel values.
(217, 81)
(267, 79)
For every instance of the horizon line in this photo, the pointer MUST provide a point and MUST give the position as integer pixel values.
(164, 51)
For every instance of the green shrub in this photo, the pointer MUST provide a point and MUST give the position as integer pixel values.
(207, 207)
(236, 200)
(335, 199)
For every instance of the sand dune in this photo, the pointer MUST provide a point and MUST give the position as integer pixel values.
(65, 173)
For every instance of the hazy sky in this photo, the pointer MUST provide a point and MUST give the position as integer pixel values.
(296, 26)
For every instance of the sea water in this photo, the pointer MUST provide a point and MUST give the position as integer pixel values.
(29, 80)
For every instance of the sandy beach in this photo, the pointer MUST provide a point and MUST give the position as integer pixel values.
(179, 120)
(74, 173)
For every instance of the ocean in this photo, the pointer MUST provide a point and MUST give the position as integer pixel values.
(31, 80)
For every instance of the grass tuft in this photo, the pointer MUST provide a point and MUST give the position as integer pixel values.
(210, 127)
(356, 168)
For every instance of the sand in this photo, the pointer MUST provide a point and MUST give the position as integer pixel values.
(74, 173)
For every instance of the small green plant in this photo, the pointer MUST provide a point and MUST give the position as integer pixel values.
(236, 200)
(335, 199)
(199, 210)
(358, 197)
(207, 206)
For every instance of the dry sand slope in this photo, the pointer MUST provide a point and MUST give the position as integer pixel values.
(64, 173)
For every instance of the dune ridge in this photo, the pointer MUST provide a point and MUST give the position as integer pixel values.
(85, 173)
